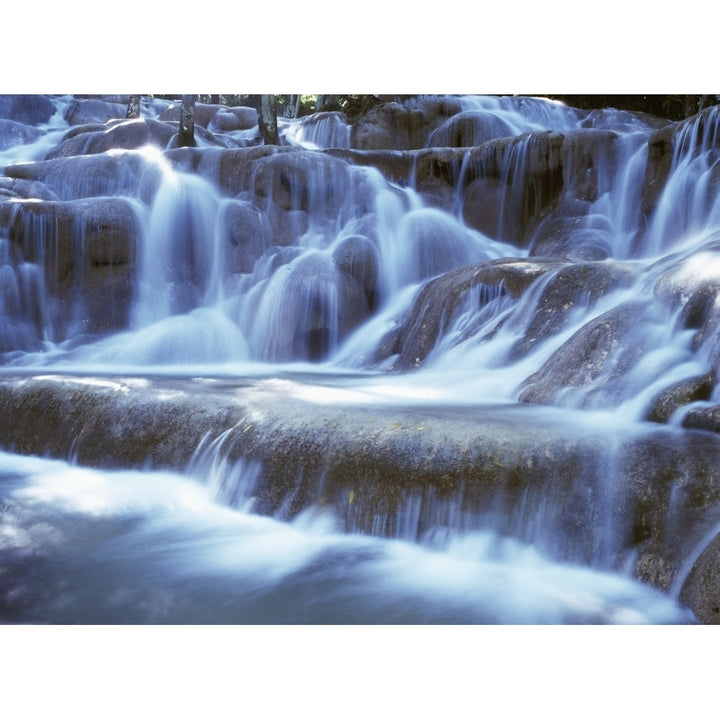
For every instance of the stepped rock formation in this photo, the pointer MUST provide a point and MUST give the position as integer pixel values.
(563, 264)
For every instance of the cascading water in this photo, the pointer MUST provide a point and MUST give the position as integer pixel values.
(522, 257)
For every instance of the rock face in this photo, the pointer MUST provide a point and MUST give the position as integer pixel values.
(85, 254)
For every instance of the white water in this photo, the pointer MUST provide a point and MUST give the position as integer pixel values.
(89, 546)
(195, 314)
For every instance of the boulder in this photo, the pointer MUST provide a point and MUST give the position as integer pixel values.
(689, 286)
(401, 126)
(25, 189)
(679, 394)
(394, 165)
(624, 120)
(115, 135)
(579, 285)
(430, 243)
(704, 417)
(306, 309)
(248, 235)
(508, 186)
(670, 481)
(302, 180)
(605, 347)
(358, 256)
(27, 109)
(404, 125)
(436, 304)
(94, 111)
(468, 129)
(210, 116)
(575, 237)
(13, 133)
(390, 126)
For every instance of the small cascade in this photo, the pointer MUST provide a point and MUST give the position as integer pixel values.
(320, 130)
(181, 255)
(688, 206)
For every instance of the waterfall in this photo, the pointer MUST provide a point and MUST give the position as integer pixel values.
(546, 272)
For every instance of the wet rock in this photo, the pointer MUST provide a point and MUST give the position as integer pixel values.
(673, 487)
(625, 120)
(691, 285)
(27, 109)
(706, 417)
(508, 186)
(403, 125)
(230, 119)
(85, 250)
(303, 180)
(468, 129)
(667, 145)
(87, 176)
(286, 226)
(577, 286)
(679, 394)
(519, 467)
(431, 243)
(94, 111)
(605, 347)
(249, 235)
(701, 590)
(394, 165)
(437, 303)
(215, 117)
(20, 306)
(306, 309)
(571, 238)
(117, 134)
(482, 209)
(231, 170)
(24, 189)
(358, 256)
(391, 126)
(204, 113)
(14, 133)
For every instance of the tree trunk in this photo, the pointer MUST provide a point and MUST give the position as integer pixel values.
(267, 120)
(186, 135)
(292, 108)
(133, 108)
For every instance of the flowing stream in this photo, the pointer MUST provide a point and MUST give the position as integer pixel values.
(217, 294)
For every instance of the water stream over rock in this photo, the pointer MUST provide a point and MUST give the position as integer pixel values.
(454, 361)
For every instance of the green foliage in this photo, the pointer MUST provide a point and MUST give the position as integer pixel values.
(672, 107)
(355, 105)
